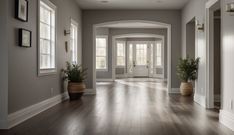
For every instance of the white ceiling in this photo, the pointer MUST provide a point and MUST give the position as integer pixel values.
(134, 25)
(132, 4)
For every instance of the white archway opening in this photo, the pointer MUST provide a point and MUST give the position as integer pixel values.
(135, 24)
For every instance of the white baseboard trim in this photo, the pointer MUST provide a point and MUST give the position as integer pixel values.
(175, 91)
(26, 113)
(227, 119)
(120, 76)
(90, 92)
(200, 99)
(104, 80)
(217, 98)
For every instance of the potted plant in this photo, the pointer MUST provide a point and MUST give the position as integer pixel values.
(187, 72)
(75, 75)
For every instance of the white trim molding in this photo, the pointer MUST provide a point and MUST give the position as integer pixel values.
(105, 80)
(27, 113)
(165, 25)
(200, 99)
(175, 91)
(227, 119)
(211, 6)
(90, 92)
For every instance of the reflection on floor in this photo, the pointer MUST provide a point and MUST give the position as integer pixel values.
(125, 108)
(153, 83)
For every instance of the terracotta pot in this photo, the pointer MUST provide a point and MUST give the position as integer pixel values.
(75, 90)
(186, 88)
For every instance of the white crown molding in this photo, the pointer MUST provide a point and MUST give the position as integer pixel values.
(28, 112)
(227, 119)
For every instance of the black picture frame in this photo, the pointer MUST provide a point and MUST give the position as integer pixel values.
(21, 10)
(25, 38)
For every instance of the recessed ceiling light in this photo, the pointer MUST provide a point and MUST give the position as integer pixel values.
(104, 1)
(159, 1)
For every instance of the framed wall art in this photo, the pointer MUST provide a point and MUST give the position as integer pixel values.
(25, 38)
(21, 10)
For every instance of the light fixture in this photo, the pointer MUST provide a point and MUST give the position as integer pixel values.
(200, 27)
(104, 1)
(66, 32)
(230, 7)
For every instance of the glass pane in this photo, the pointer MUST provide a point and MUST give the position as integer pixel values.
(151, 59)
(44, 61)
(120, 49)
(159, 61)
(45, 46)
(45, 31)
(101, 42)
(100, 63)
(45, 15)
(73, 42)
(130, 68)
(101, 52)
(141, 54)
(120, 61)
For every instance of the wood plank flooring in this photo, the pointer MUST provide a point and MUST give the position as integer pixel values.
(126, 107)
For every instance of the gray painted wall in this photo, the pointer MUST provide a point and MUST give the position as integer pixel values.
(4, 64)
(91, 17)
(196, 9)
(227, 55)
(25, 87)
(190, 39)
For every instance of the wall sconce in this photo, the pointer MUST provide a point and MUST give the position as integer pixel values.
(230, 8)
(66, 32)
(200, 27)
(66, 46)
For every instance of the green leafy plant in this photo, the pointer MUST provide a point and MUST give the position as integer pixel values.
(187, 69)
(74, 73)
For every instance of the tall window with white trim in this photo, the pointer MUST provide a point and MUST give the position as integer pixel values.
(47, 44)
(73, 41)
(120, 47)
(159, 54)
(101, 52)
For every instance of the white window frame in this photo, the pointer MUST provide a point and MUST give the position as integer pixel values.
(106, 37)
(73, 22)
(49, 71)
(116, 53)
(162, 54)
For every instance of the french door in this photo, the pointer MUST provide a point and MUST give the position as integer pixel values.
(144, 59)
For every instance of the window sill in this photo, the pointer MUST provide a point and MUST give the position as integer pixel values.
(47, 72)
(102, 70)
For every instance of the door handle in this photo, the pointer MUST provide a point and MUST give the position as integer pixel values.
(134, 63)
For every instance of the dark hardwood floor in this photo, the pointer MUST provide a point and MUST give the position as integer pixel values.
(126, 107)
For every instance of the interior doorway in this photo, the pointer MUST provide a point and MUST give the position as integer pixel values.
(213, 16)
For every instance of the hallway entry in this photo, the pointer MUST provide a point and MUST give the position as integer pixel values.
(144, 58)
